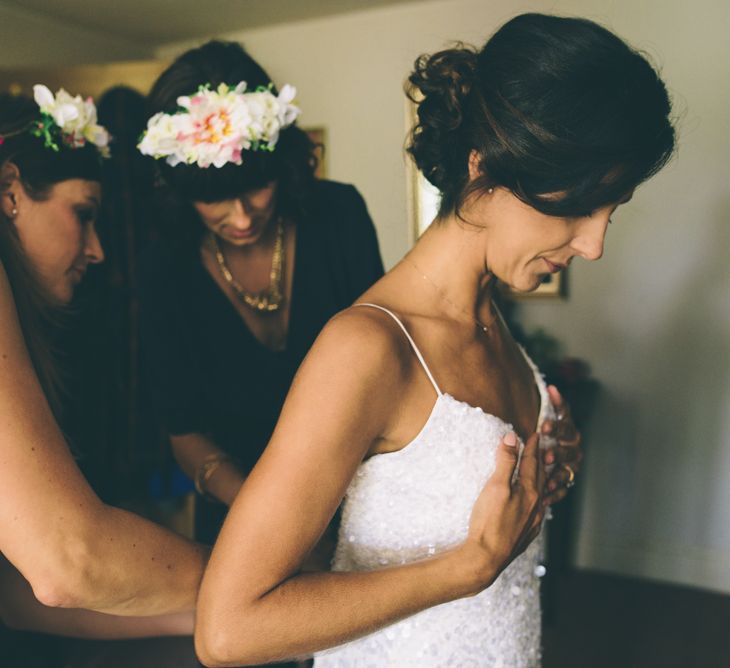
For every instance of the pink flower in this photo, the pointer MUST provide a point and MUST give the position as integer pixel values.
(215, 127)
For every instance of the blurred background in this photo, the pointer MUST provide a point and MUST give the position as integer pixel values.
(639, 568)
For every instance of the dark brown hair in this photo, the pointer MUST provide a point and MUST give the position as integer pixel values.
(39, 168)
(292, 164)
(550, 105)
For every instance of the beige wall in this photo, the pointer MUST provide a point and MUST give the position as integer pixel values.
(30, 40)
(652, 318)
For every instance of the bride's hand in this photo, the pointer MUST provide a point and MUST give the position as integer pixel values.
(508, 513)
(566, 455)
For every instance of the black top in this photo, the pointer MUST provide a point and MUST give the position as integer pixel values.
(208, 371)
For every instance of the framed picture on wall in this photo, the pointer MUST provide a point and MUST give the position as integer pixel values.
(319, 136)
(423, 199)
(423, 204)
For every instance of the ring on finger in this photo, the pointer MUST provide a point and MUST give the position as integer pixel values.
(571, 475)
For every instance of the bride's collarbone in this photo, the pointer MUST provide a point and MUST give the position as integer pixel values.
(503, 386)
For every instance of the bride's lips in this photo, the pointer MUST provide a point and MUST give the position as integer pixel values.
(554, 268)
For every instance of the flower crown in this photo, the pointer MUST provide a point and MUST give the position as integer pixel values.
(214, 127)
(67, 120)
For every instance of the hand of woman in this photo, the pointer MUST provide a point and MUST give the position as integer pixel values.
(508, 514)
(567, 455)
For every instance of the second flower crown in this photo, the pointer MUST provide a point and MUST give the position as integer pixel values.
(64, 121)
(214, 127)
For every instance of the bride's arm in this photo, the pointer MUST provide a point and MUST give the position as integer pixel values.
(74, 550)
(20, 610)
(255, 604)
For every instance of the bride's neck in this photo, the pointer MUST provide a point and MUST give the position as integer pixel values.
(452, 257)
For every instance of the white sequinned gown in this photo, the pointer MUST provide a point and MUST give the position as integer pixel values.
(407, 505)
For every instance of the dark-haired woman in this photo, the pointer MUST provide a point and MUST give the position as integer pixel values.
(259, 255)
(420, 393)
(72, 550)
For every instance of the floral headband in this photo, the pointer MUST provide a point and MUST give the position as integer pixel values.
(214, 127)
(70, 121)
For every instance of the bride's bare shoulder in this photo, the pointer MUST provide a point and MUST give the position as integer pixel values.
(361, 350)
(369, 332)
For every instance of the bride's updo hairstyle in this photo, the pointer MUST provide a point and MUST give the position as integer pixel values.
(560, 111)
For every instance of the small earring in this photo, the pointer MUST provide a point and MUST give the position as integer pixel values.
(14, 212)
(490, 191)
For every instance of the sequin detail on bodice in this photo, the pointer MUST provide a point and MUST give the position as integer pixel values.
(416, 502)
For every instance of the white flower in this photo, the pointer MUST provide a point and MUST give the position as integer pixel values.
(74, 116)
(43, 97)
(215, 127)
(288, 111)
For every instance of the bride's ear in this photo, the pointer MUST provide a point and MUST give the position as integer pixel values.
(474, 165)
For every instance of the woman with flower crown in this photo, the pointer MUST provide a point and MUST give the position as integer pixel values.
(410, 406)
(60, 546)
(258, 254)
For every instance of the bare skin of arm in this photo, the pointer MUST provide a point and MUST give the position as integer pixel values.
(191, 451)
(256, 605)
(74, 550)
(20, 610)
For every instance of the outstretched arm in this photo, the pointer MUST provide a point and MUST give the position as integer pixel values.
(255, 604)
(74, 550)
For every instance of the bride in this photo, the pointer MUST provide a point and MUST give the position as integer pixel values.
(410, 404)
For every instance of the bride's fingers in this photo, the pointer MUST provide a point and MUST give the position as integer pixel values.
(561, 433)
(559, 477)
(531, 468)
(553, 497)
(570, 436)
(506, 459)
(567, 454)
(531, 481)
(562, 410)
(557, 400)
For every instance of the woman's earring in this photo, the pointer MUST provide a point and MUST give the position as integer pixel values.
(14, 211)
(490, 191)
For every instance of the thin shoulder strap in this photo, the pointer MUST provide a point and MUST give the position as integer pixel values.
(410, 340)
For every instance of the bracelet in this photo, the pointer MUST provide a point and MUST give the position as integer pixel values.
(206, 470)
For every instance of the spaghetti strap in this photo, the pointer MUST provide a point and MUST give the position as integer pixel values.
(410, 340)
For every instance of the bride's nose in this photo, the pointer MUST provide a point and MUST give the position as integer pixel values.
(590, 237)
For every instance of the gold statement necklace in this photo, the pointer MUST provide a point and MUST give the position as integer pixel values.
(268, 300)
